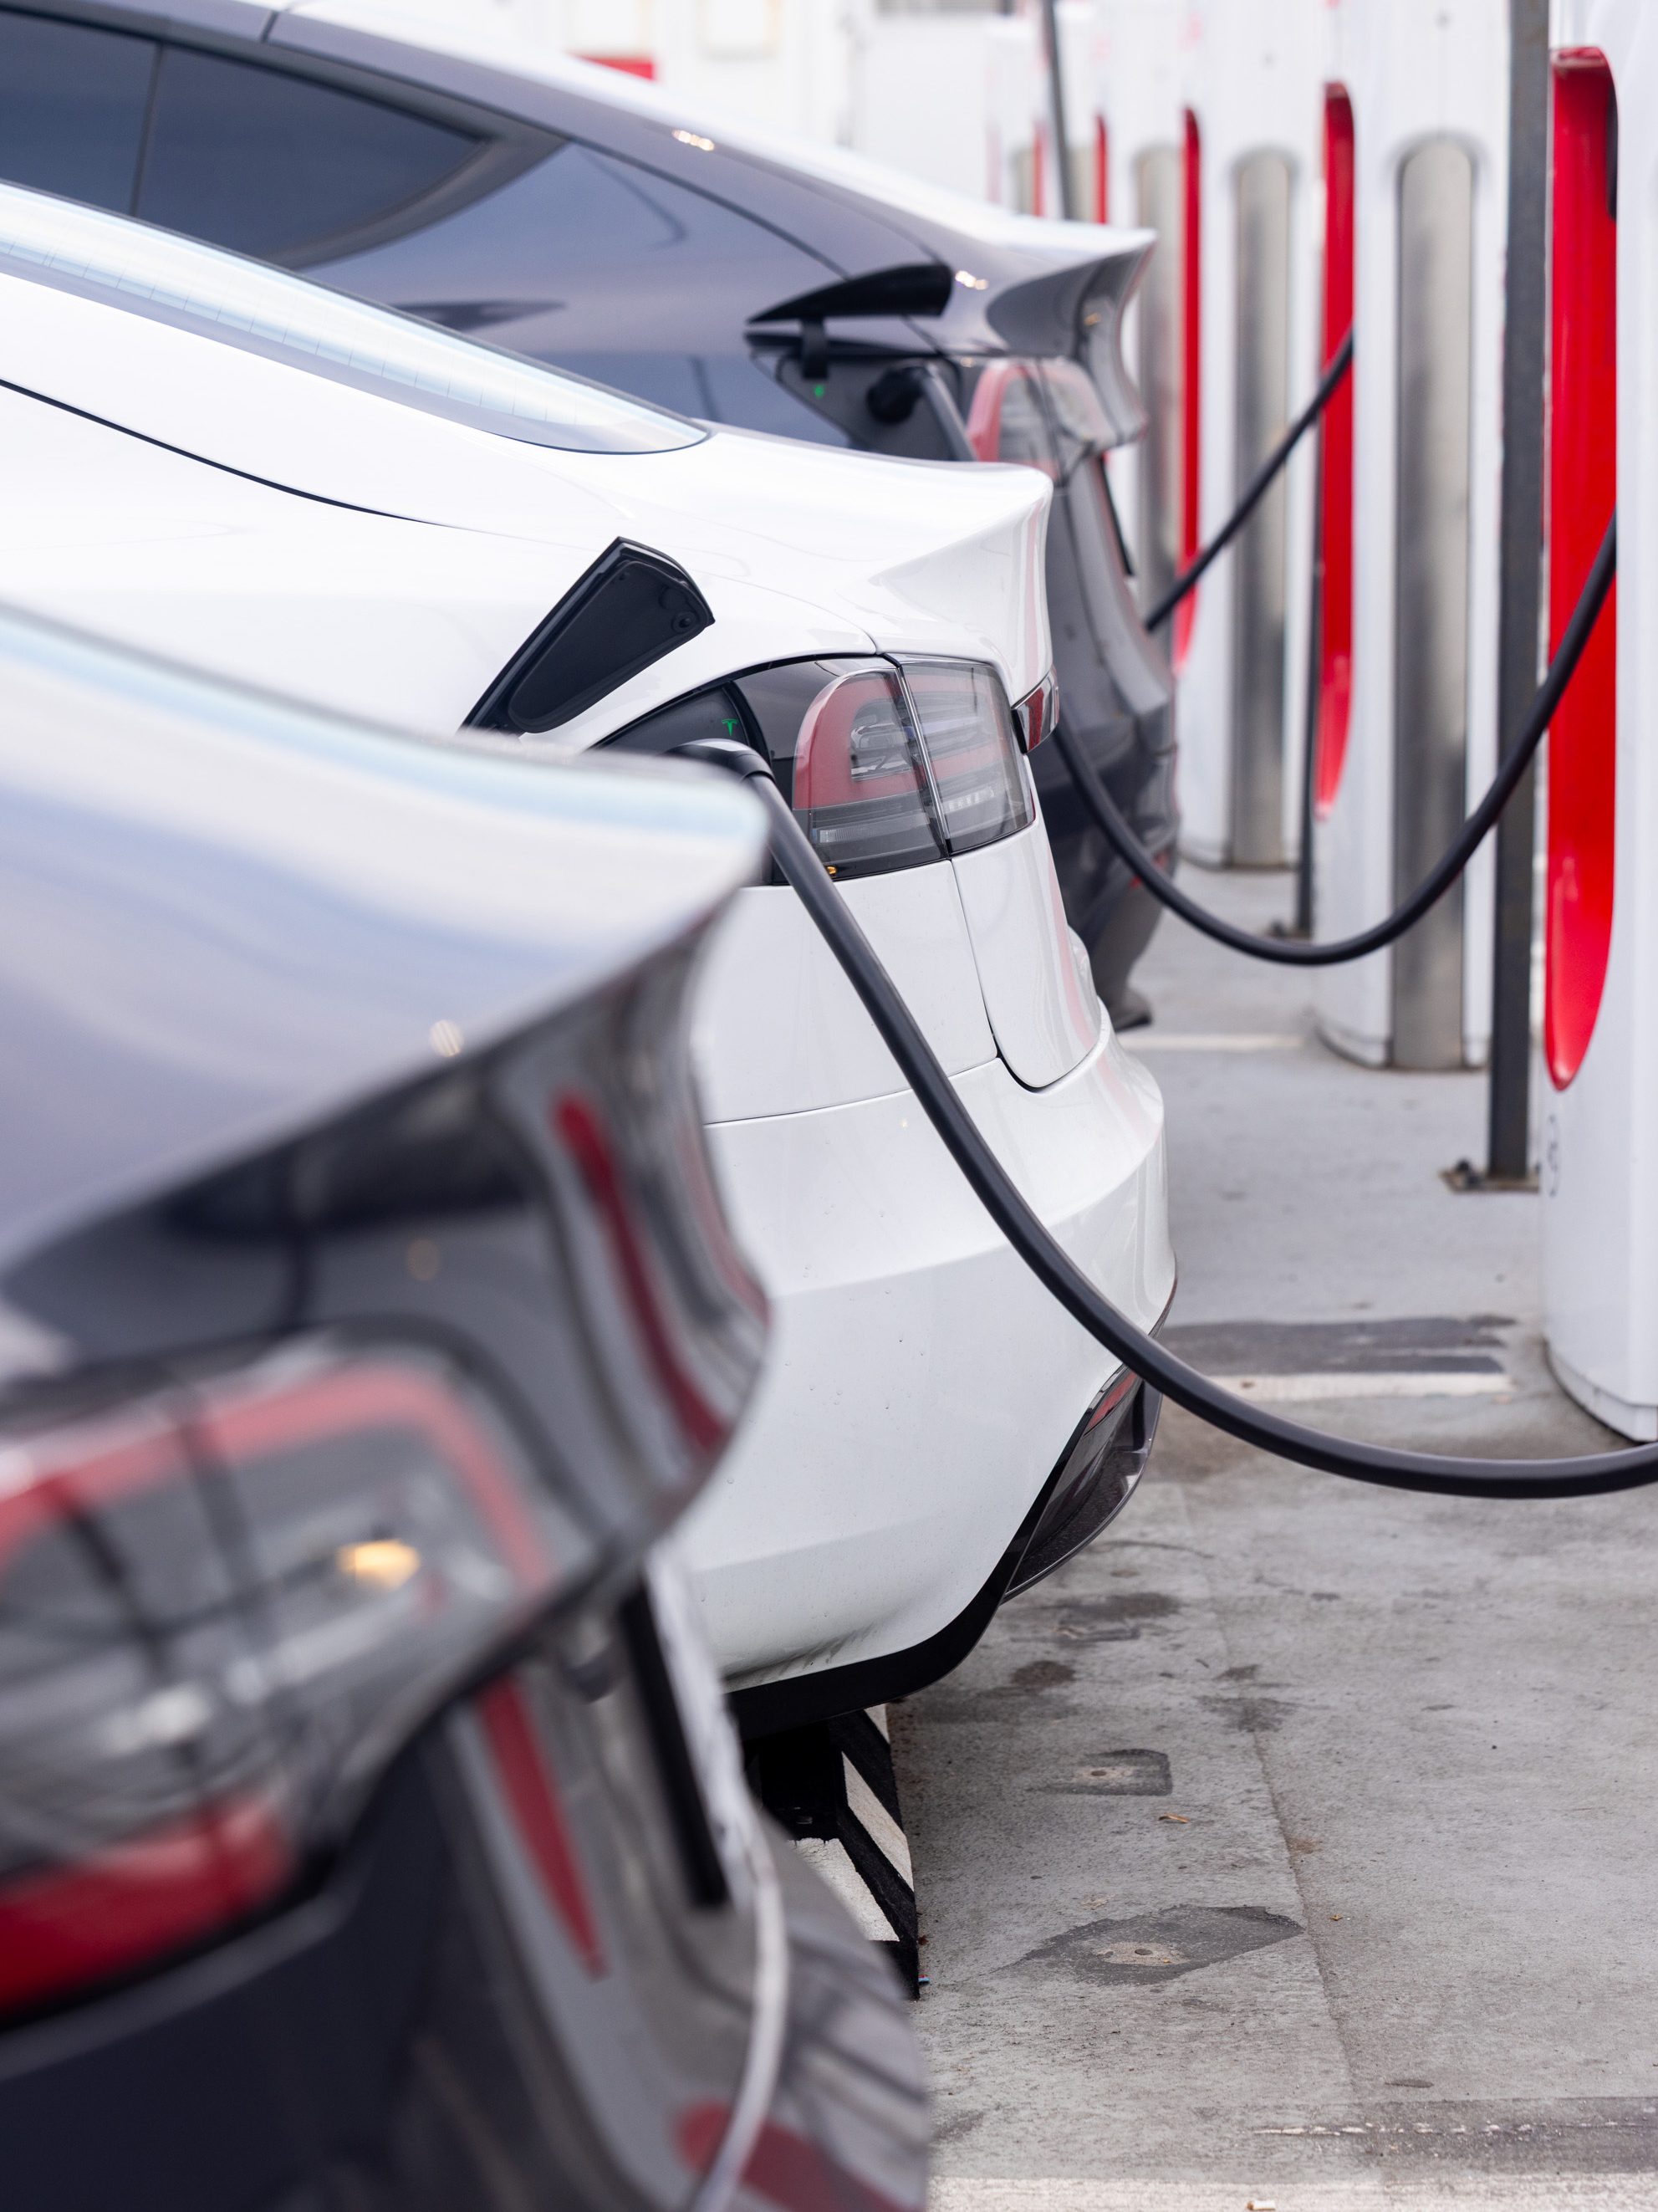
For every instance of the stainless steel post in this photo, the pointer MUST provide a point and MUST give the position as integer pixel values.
(1159, 205)
(1508, 1130)
(1262, 312)
(1431, 590)
(1056, 95)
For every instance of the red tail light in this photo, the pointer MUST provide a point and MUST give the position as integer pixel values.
(1037, 712)
(120, 1907)
(969, 738)
(221, 1613)
(894, 767)
(1045, 415)
(860, 785)
(1005, 421)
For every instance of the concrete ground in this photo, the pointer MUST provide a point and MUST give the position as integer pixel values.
(1294, 1845)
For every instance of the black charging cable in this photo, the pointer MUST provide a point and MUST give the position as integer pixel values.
(1258, 484)
(1286, 953)
(1439, 1475)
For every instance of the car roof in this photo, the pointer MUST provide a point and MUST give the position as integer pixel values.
(227, 917)
(259, 309)
(917, 203)
(797, 547)
(857, 213)
(1022, 283)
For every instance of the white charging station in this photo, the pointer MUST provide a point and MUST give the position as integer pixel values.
(1251, 98)
(1137, 95)
(1015, 129)
(1416, 745)
(1599, 1169)
(1021, 164)
(918, 96)
(1087, 142)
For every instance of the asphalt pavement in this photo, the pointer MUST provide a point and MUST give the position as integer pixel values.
(1294, 1846)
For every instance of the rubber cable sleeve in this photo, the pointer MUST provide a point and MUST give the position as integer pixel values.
(1286, 953)
(1441, 1475)
(1258, 484)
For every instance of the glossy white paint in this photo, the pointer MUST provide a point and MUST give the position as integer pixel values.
(780, 1030)
(1045, 1018)
(921, 1385)
(1414, 69)
(223, 508)
(371, 615)
(1599, 1166)
(948, 559)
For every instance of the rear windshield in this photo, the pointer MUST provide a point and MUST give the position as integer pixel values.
(266, 311)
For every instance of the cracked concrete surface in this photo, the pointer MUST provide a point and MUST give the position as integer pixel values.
(1296, 1843)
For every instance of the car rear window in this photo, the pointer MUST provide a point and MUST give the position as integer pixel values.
(253, 158)
(72, 105)
(266, 311)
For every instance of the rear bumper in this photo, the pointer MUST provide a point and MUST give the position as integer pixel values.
(922, 1387)
(381, 2045)
(1073, 1507)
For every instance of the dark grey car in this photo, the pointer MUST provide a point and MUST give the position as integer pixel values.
(370, 1835)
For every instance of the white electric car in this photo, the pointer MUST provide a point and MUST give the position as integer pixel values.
(223, 463)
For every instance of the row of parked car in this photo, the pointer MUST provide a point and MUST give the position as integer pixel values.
(474, 1288)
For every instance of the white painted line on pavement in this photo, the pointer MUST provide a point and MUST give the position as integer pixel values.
(1496, 2192)
(1214, 1040)
(1298, 1390)
(1069, 2193)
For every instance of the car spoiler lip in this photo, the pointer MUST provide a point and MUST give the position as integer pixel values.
(1040, 300)
(1075, 307)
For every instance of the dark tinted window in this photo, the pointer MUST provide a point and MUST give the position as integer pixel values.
(72, 105)
(248, 157)
(593, 264)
